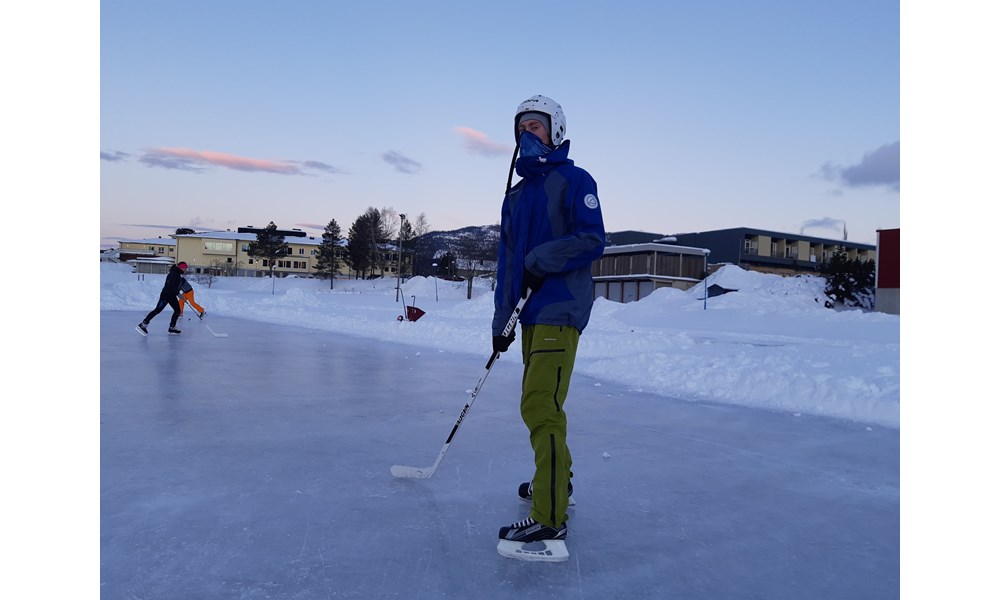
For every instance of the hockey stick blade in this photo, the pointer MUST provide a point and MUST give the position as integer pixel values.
(411, 472)
(213, 331)
(424, 473)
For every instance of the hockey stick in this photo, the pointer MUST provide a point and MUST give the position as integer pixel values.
(425, 472)
(213, 331)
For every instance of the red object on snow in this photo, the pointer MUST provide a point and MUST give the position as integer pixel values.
(412, 312)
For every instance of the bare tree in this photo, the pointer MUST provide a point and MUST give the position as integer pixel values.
(491, 248)
(207, 276)
(420, 225)
(477, 252)
(399, 231)
(389, 221)
(217, 268)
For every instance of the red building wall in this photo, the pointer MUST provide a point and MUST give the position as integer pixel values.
(887, 266)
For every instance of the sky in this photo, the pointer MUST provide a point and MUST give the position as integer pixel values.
(779, 115)
(748, 446)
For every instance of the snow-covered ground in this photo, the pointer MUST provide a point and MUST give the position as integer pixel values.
(770, 345)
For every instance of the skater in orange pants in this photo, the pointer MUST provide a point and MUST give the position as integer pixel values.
(186, 295)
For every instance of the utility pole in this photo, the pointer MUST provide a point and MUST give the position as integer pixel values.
(399, 262)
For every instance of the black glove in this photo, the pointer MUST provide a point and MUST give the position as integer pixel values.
(530, 281)
(501, 343)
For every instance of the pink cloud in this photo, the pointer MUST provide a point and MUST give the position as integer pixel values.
(229, 161)
(477, 142)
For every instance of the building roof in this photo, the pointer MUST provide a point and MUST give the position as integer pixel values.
(249, 237)
(161, 241)
(780, 235)
(165, 260)
(624, 248)
(630, 236)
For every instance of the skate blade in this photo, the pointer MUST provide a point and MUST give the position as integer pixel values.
(544, 551)
(141, 332)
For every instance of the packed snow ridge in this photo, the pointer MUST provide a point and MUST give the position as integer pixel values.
(770, 344)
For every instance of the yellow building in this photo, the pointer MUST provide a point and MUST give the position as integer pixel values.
(226, 253)
(157, 247)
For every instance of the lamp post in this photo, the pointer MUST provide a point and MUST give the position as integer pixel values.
(435, 281)
(705, 305)
(399, 263)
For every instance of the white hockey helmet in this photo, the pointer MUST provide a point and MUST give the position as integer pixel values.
(546, 106)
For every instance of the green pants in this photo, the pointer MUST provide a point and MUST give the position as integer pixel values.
(549, 353)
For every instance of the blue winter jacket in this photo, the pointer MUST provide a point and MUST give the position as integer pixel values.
(551, 224)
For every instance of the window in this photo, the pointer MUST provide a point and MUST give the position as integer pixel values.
(245, 247)
(302, 250)
(221, 247)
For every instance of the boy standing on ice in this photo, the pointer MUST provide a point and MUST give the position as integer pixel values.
(168, 295)
(551, 230)
(186, 295)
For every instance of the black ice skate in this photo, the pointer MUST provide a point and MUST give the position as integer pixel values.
(174, 331)
(141, 328)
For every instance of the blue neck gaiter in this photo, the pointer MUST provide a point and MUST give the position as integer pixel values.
(531, 145)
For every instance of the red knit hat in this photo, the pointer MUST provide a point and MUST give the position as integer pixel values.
(182, 265)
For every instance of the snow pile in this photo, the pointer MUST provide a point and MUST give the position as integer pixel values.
(771, 344)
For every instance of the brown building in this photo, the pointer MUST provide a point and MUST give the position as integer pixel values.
(887, 271)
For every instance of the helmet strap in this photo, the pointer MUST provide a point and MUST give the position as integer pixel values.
(513, 160)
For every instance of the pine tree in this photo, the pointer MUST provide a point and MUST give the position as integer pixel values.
(328, 259)
(406, 237)
(270, 246)
(364, 242)
(447, 266)
(849, 282)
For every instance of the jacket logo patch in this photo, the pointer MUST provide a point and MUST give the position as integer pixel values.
(590, 200)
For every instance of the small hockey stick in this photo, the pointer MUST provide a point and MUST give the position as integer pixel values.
(425, 472)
